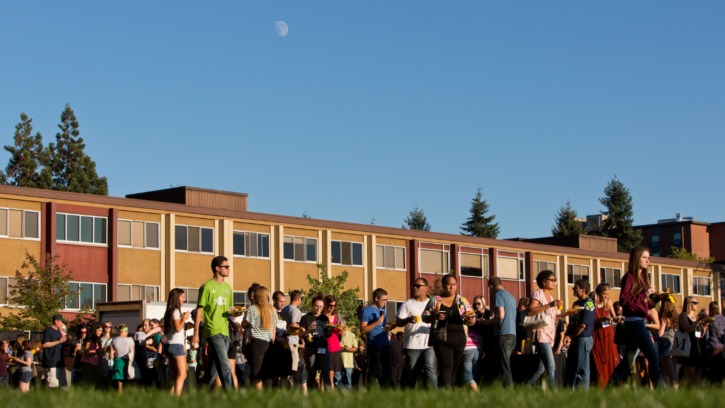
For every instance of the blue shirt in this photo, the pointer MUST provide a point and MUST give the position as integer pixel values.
(507, 326)
(585, 317)
(377, 336)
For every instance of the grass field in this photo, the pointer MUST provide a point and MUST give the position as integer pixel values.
(488, 397)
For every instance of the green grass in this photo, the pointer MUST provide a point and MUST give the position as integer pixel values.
(488, 397)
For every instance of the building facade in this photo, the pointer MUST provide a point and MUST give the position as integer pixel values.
(138, 249)
(703, 239)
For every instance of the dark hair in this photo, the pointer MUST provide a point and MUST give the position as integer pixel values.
(139, 328)
(2, 349)
(173, 304)
(583, 284)
(295, 295)
(155, 321)
(217, 261)
(81, 327)
(318, 298)
(422, 279)
(276, 293)
(378, 293)
(93, 338)
(617, 305)
(250, 291)
(28, 345)
(543, 276)
(525, 302)
(22, 336)
(714, 309)
(329, 299)
(494, 282)
(447, 276)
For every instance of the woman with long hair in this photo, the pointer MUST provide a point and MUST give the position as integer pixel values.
(666, 333)
(175, 337)
(25, 369)
(604, 352)
(692, 323)
(120, 349)
(451, 312)
(636, 303)
(261, 319)
(541, 302)
(107, 336)
(332, 360)
(92, 352)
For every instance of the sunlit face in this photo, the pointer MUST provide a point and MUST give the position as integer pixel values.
(479, 305)
(223, 269)
(146, 326)
(279, 302)
(450, 286)
(420, 288)
(604, 296)
(99, 331)
(182, 298)
(694, 304)
(317, 307)
(579, 292)
(644, 260)
(550, 283)
(382, 301)
(330, 307)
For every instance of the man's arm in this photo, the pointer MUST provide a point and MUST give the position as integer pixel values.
(197, 323)
(499, 314)
(366, 328)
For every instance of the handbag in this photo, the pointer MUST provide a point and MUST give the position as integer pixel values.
(537, 321)
(440, 335)
(682, 344)
(134, 373)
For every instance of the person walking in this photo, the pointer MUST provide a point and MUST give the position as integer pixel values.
(634, 297)
(605, 356)
(261, 320)
(542, 302)
(419, 355)
(213, 307)
(579, 338)
(175, 333)
(53, 339)
(668, 324)
(373, 324)
(504, 328)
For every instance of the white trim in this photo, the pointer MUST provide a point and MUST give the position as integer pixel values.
(317, 249)
(93, 297)
(362, 254)
(213, 234)
(145, 237)
(518, 258)
(22, 228)
(447, 253)
(80, 233)
(393, 269)
(269, 244)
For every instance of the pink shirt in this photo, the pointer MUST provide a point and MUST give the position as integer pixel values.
(548, 333)
(91, 360)
(333, 343)
(474, 341)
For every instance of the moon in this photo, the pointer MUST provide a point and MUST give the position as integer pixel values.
(281, 28)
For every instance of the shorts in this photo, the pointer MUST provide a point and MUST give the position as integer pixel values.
(261, 360)
(174, 350)
(58, 377)
(25, 377)
(295, 356)
(232, 352)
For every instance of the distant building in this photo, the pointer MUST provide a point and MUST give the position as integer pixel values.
(704, 239)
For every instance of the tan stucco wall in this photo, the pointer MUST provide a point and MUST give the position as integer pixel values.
(20, 204)
(297, 232)
(12, 254)
(611, 264)
(295, 275)
(393, 282)
(192, 269)
(391, 241)
(195, 222)
(139, 266)
(338, 236)
(545, 258)
(355, 277)
(243, 226)
(139, 216)
(251, 270)
(577, 261)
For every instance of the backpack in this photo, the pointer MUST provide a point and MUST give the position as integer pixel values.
(234, 335)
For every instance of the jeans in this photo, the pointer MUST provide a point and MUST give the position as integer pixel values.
(470, 357)
(239, 371)
(218, 348)
(425, 359)
(547, 363)
(380, 355)
(4, 381)
(505, 345)
(638, 337)
(577, 362)
(312, 365)
(347, 377)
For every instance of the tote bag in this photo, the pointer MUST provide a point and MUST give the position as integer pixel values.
(537, 321)
(134, 373)
(682, 344)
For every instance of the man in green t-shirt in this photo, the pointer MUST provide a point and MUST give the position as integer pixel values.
(213, 306)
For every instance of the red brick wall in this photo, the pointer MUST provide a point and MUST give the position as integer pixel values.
(699, 238)
(717, 241)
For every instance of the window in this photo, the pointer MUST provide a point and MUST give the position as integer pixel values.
(84, 229)
(677, 236)
(138, 292)
(391, 310)
(240, 298)
(300, 249)
(347, 253)
(5, 288)
(671, 281)
(432, 261)
(611, 276)
(540, 266)
(138, 234)
(194, 239)
(655, 240)
(390, 257)
(701, 286)
(475, 265)
(87, 295)
(510, 268)
(19, 224)
(250, 244)
(576, 272)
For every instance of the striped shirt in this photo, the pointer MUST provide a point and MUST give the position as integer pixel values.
(255, 320)
(474, 341)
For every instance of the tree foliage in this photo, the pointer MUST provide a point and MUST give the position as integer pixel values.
(27, 154)
(566, 223)
(478, 225)
(347, 299)
(683, 253)
(620, 217)
(41, 292)
(416, 220)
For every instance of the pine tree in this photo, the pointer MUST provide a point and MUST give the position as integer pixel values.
(416, 220)
(25, 157)
(618, 224)
(478, 225)
(566, 223)
(73, 170)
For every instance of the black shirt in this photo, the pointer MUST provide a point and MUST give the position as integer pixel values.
(454, 326)
(52, 356)
(318, 337)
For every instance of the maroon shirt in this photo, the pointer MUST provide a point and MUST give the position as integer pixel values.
(633, 305)
(4, 357)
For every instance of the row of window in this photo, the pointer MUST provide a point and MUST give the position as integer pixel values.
(19, 224)
(676, 238)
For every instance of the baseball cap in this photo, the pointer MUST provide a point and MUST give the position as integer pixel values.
(60, 317)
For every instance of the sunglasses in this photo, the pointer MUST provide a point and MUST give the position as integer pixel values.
(225, 266)
(694, 303)
(552, 280)
(420, 286)
(332, 305)
(84, 332)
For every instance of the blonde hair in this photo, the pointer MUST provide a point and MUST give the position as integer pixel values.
(686, 304)
(261, 295)
(599, 292)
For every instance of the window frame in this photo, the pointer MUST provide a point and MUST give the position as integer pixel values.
(447, 253)
(405, 258)
(93, 298)
(269, 243)
(80, 233)
(246, 297)
(7, 291)
(695, 285)
(352, 257)
(603, 276)
(589, 275)
(484, 265)
(213, 234)
(520, 266)
(664, 287)
(145, 235)
(317, 249)
(158, 290)
(22, 228)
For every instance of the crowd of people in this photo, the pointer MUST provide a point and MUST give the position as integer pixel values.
(445, 341)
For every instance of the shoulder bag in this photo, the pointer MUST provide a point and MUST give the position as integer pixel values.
(440, 335)
(537, 321)
(682, 345)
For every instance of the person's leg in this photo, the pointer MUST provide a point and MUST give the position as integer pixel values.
(470, 356)
(374, 355)
(4, 381)
(547, 356)
(428, 358)
(386, 357)
(347, 380)
(445, 365)
(541, 369)
(584, 349)
(311, 365)
(68, 378)
(235, 380)
(337, 379)
(507, 345)
(411, 359)
(218, 348)
(621, 372)
(180, 372)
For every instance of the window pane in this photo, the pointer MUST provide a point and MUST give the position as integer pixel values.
(471, 265)
(137, 232)
(3, 291)
(99, 230)
(194, 244)
(260, 245)
(585, 273)
(73, 232)
(12, 285)
(180, 237)
(347, 253)
(399, 258)
(311, 250)
(16, 224)
(265, 245)
(124, 233)
(357, 256)
(31, 224)
(289, 248)
(123, 292)
(253, 244)
(4, 222)
(87, 295)
(508, 268)
(390, 257)
(135, 292)
(72, 300)
(570, 274)
(335, 252)
(207, 240)
(676, 282)
(152, 235)
(86, 229)
(522, 269)
(238, 243)
(150, 293)
(299, 249)
(379, 257)
(99, 294)
(430, 261)
(618, 278)
(192, 295)
(240, 298)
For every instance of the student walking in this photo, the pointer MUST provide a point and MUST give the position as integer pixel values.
(579, 338)
(175, 333)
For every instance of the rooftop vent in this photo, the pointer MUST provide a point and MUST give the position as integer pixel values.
(678, 218)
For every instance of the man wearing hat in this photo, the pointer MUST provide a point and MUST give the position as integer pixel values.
(53, 339)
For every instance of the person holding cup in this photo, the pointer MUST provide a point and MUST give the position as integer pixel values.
(541, 301)
(373, 323)
(418, 354)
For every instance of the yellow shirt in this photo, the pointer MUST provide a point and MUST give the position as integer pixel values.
(348, 340)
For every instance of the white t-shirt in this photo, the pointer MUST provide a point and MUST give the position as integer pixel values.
(175, 337)
(415, 336)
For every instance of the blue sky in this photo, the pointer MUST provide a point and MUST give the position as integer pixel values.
(365, 109)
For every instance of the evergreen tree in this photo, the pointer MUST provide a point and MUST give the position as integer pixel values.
(478, 225)
(618, 204)
(73, 170)
(416, 220)
(25, 157)
(566, 223)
